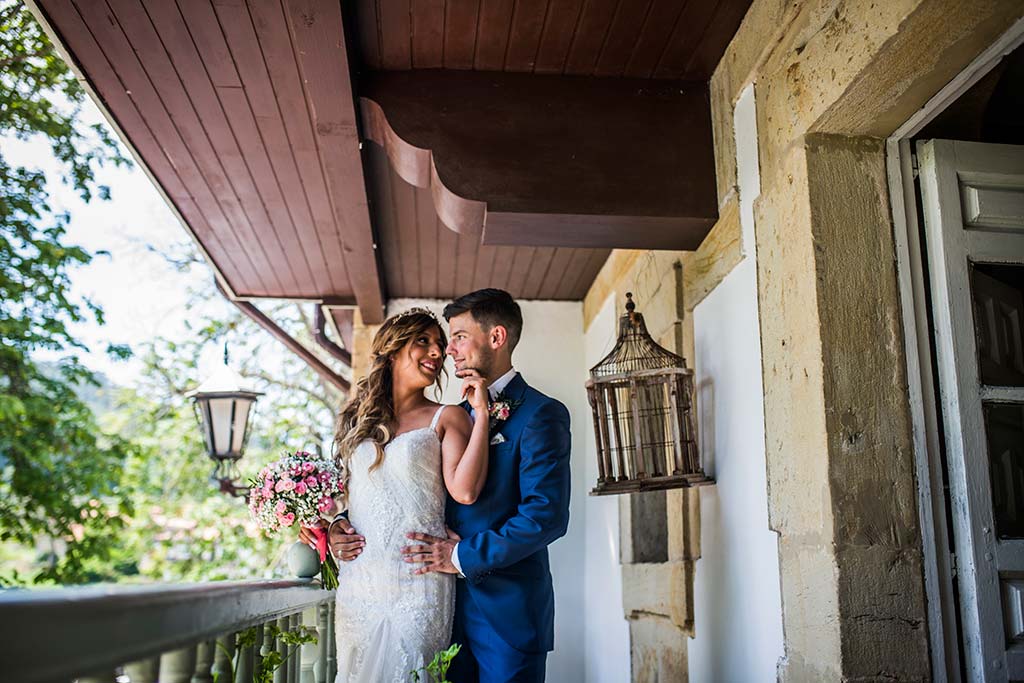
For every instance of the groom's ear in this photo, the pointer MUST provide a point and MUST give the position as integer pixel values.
(498, 336)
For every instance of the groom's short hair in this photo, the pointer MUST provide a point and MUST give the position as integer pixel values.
(490, 307)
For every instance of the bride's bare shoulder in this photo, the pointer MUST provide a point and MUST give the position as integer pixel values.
(454, 417)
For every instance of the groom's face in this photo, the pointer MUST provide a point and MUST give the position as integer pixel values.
(470, 345)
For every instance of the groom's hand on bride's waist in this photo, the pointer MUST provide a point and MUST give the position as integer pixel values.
(435, 554)
(345, 543)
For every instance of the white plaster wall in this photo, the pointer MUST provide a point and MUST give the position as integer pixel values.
(738, 605)
(550, 357)
(606, 631)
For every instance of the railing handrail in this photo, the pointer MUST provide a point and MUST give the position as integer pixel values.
(49, 635)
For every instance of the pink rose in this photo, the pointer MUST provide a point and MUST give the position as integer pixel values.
(311, 481)
(300, 488)
(308, 467)
(281, 507)
(288, 519)
(325, 504)
(285, 484)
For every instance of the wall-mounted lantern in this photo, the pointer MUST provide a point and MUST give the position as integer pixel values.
(223, 407)
(642, 397)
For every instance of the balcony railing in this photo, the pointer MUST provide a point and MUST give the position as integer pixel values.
(171, 634)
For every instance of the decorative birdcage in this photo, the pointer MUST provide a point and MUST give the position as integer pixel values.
(642, 397)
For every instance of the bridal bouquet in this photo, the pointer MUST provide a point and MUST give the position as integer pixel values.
(297, 490)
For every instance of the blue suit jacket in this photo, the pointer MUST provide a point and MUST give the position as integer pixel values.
(523, 507)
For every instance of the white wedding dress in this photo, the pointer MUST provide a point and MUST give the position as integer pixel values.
(389, 621)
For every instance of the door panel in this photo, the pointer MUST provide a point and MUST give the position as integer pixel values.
(973, 200)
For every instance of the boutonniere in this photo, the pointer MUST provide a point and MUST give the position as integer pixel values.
(499, 411)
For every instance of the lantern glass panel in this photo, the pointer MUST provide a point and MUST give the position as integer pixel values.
(220, 423)
(242, 407)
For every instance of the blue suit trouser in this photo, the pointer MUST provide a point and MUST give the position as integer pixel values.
(485, 656)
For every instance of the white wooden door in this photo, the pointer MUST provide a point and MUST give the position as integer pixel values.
(973, 200)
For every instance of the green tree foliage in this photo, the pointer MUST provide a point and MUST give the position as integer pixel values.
(59, 473)
(183, 529)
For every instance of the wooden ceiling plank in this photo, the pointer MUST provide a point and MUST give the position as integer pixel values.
(501, 270)
(483, 273)
(426, 222)
(693, 22)
(589, 37)
(428, 33)
(169, 26)
(566, 280)
(381, 178)
(654, 37)
(728, 16)
(521, 263)
(344, 320)
(205, 29)
(395, 32)
(539, 267)
(299, 171)
(622, 38)
(556, 38)
(560, 260)
(318, 41)
(524, 35)
(368, 30)
(117, 50)
(492, 34)
(595, 262)
(279, 234)
(447, 245)
(465, 263)
(460, 33)
(404, 199)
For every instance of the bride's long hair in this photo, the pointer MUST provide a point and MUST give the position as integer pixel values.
(370, 411)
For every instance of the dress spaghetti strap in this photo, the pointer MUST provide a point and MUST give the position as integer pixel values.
(437, 416)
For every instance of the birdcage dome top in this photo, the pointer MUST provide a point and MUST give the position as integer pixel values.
(635, 350)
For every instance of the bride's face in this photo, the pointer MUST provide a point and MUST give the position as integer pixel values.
(420, 360)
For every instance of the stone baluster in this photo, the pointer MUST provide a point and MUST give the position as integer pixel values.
(320, 667)
(249, 659)
(223, 656)
(296, 660)
(310, 651)
(143, 671)
(177, 666)
(204, 662)
(269, 643)
(332, 644)
(281, 675)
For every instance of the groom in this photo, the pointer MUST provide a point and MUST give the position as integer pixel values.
(505, 605)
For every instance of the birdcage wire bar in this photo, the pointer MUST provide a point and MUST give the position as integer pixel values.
(641, 396)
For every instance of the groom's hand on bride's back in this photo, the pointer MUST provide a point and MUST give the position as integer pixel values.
(345, 543)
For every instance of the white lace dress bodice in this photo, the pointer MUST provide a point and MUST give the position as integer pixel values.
(390, 621)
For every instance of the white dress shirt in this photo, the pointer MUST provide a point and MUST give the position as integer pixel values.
(493, 390)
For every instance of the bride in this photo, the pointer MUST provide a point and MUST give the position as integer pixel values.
(402, 452)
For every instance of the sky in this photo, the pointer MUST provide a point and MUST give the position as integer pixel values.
(141, 294)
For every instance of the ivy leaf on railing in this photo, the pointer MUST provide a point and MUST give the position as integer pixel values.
(270, 659)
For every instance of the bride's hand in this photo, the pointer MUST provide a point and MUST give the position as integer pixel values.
(474, 390)
(307, 536)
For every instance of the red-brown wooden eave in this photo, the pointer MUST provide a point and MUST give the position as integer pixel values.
(521, 159)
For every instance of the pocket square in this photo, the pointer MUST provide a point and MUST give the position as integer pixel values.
(497, 438)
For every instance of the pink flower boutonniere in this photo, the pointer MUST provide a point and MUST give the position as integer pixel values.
(499, 411)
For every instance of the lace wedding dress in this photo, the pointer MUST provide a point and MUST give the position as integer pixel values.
(389, 621)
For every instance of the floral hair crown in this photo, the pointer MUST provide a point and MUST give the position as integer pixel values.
(416, 310)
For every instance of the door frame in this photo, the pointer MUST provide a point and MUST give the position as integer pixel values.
(938, 558)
